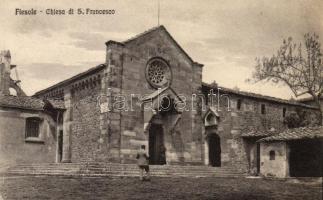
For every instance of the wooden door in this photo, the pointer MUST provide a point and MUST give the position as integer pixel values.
(156, 145)
(214, 150)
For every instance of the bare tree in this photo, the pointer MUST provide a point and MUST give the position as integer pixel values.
(301, 69)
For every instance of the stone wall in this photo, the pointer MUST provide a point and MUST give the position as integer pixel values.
(87, 143)
(85, 136)
(312, 103)
(14, 148)
(252, 149)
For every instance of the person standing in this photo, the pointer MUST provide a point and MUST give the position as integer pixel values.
(162, 159)
(143, 162)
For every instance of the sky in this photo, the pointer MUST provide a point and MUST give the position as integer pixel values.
(224, 35)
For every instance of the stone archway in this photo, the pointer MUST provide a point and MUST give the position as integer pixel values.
(160, 120)
(212, 143)
(60, 146)
(305, 158)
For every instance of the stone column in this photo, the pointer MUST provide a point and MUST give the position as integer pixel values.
(198, 103)
(287, 159)
(67, 126)
(104, 141)
(5, 60)
(57, 159)
(206, 152)
(114, 62)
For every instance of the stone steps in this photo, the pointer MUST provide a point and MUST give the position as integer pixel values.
(130, 167)
(113, 169)
(124, 169)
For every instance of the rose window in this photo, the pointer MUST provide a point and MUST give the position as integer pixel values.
(158, 73)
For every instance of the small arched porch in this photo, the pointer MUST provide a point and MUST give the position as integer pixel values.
(212, 142)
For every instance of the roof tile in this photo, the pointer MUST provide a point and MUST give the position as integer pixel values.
(23, 102)
(258, 96)
(57, 104)
(296, 134)
(257, 133)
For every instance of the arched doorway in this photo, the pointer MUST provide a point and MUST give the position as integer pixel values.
(214, 144)
(305, 158)
(156, 145)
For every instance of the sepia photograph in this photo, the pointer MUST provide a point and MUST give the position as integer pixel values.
(161, 99)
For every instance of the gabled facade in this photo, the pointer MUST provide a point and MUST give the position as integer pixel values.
(96, 128)
(30, 128)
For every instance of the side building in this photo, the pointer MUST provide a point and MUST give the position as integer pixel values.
(29, 127)
(242, 120)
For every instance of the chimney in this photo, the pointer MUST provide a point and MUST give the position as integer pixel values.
(5, 64)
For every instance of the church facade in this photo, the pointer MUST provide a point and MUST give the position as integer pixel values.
(149, 92)
(137, 73)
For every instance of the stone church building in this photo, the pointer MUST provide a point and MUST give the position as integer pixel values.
(148, 91)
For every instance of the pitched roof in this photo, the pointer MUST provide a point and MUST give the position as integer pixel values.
(143, 33)
(296, 134)
(159, 92)
(56, 104)
(155, 94)
(211, 109)
(258, 133)
(73, 78)
(161, 27)
(22, 102)
(257, 96)
(306, 99)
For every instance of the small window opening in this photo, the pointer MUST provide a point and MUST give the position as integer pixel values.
(272, 155)
(284, 112)
(239, 104)
(263, 109)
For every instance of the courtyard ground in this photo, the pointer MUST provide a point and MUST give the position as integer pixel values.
(56, 187)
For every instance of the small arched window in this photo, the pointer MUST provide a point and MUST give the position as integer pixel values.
(211, 120)
(272, 155)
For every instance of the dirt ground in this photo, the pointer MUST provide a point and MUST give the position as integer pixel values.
(55, 187)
